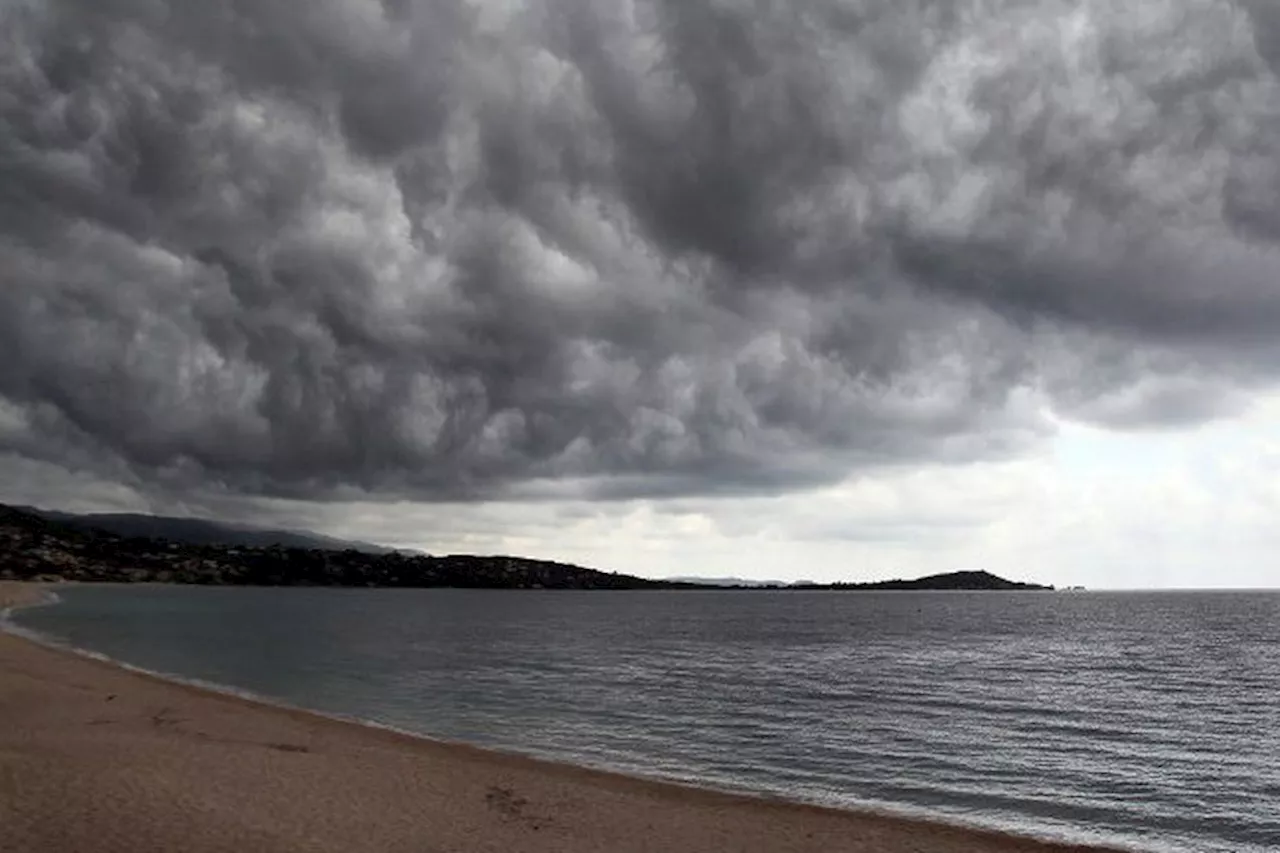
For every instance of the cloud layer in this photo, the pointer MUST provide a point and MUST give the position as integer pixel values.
(446, 250)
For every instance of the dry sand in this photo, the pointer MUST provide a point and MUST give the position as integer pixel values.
(98, 759)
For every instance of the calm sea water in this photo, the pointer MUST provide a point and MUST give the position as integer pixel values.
(1148, 720)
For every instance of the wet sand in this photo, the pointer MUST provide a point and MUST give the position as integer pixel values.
(99, 759)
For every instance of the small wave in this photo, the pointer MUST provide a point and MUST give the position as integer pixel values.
(46, 598)
(52, 642)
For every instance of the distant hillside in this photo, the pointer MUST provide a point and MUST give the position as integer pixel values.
(956, 581)
(33, 547)
(727, 582)
(199, 531)
(44, 546)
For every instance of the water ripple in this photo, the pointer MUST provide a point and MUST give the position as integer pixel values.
(1151, 721)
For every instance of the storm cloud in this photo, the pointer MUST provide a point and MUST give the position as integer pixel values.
(446, 250)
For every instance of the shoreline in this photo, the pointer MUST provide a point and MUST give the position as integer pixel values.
(494, 799)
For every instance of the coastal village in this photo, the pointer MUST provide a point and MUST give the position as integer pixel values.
(34, 548)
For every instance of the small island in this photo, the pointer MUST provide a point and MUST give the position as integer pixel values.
(54, 547)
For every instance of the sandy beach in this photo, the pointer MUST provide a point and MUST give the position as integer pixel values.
(97, 758)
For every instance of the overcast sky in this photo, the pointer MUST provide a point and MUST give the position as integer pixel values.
(829, 289)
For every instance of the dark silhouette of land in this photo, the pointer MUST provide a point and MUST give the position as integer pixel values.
(46, 547)
(972, 581)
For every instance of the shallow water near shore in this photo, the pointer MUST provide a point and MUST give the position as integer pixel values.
(1148, 720)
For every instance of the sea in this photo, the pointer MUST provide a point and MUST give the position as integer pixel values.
(1148, 721)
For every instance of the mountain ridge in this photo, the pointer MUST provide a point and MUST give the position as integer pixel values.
(201, 531)
(36, 547)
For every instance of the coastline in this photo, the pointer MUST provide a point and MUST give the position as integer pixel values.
(96, 756)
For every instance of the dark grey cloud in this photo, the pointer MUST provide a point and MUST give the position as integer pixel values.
(445, 250)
